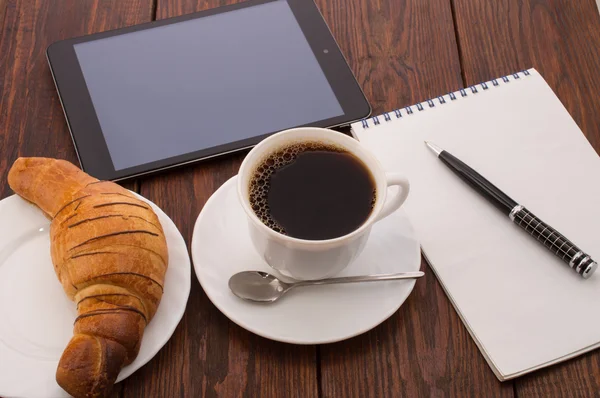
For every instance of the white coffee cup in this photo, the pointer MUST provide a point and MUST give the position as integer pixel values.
(316, 259)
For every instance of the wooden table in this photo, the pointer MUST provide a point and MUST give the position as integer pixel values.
(402, 51)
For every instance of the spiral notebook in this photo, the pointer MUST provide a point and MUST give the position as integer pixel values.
(523, 306)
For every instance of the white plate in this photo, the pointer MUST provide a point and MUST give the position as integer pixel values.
(221, 247)
(36, 317)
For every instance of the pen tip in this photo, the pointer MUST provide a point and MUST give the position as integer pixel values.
(434, 148)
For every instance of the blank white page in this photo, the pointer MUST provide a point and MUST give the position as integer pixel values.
(524, 307)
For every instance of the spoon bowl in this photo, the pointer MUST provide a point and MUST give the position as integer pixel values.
(257, 286)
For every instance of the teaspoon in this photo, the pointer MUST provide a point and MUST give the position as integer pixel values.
(264, 287)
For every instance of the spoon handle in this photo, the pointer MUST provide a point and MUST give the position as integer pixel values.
(365, 278)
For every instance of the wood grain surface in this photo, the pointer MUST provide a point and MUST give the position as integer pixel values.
(3, 4)
(402, 51)
(561, 39)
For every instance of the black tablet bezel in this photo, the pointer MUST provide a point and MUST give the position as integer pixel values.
(85, 128)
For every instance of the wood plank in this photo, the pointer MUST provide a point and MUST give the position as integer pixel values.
(561, 39)
(208, 354)
(31, 118)
(3, 5)
(404, 51)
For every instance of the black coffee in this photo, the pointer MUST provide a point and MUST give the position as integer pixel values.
(312, 191)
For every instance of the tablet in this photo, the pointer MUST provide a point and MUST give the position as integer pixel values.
(175, 91)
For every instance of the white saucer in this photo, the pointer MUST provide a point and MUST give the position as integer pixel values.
(221, 247)
(36, 317)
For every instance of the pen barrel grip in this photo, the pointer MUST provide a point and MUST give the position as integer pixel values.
(488, 190)
(558, 244)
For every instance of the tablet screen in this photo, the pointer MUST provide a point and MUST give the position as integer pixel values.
(204, 82)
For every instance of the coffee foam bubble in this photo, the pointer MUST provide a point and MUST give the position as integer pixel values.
(261, 177)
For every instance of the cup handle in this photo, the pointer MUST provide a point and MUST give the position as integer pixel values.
(393, 203)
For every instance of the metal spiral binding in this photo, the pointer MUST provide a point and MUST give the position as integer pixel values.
(431, 103)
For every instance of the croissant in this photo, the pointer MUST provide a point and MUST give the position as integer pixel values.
(110, 255)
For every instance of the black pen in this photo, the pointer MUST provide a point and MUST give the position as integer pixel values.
(544, 233)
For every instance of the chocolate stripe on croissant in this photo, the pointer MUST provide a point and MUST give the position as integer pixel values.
(149, 222)
(122, 273)
(121, 203)
(111, 311)
(77, 207)
(95, 296)
(124, 306)
(94, 182)
(147, 249)
(92, 219)
(109, 216)
(70, 203)
(95, 238)
(81, 254)
(117, 193)
(91, 254)
(71, 216)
